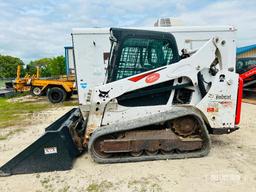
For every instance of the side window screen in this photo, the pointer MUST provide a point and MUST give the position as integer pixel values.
(139, 55)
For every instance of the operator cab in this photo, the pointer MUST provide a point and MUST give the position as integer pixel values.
(137, 51)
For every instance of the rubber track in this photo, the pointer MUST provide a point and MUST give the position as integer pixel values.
(173, 113)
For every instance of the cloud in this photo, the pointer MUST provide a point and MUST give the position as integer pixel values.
(240, 14)
(34, 29)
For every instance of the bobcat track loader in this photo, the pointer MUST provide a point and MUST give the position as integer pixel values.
(156, 104)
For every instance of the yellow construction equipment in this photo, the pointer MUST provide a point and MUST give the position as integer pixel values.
(57, 90)
(23, 84)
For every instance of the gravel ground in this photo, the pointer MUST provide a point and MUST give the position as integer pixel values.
(230, 166)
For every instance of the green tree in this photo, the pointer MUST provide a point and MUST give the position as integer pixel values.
(8, 66)
(49, 67)
(57, 66)
(42, 63)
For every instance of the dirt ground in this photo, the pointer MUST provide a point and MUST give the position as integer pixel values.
(230, 166)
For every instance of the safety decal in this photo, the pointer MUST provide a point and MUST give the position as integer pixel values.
(212, 107)
(50, 150)
(83, 85)
(226, 103)
(152, 78)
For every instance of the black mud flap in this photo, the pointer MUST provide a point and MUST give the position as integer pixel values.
(53, 151)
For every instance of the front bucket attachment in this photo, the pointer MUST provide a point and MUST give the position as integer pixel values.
(53, 151)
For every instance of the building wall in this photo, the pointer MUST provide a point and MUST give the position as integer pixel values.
(251, 53)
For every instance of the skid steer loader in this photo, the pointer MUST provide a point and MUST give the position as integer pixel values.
(156, 104)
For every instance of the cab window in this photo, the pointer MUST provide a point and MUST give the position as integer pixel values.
(140, 54)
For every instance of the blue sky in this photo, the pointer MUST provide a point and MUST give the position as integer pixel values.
(32, 29)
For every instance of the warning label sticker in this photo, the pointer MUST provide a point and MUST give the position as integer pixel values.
(213, 107)
(50, 150)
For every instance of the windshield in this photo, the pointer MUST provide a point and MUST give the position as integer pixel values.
(138, 51)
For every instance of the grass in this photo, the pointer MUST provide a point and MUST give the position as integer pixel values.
(145, 185)
(12, 113)
(70, 103)
(100, 187)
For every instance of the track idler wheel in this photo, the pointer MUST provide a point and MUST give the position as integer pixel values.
(97, 146)
(184, 126)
